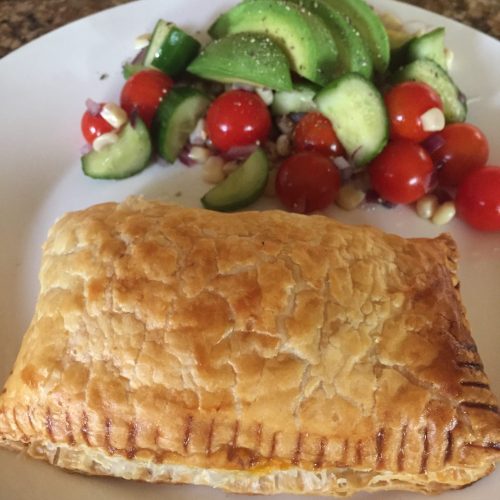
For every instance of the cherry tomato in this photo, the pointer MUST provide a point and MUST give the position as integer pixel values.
(93, 126)
(464, 148)
(406, 103)
(307, 181)
(315, 132)
(478, 199)
(143, 93)
(237, 118)
(402, 172)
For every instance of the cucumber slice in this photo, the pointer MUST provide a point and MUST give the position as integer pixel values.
(358, 115)
(176, 118)
(428, 46)
(249, 58)
(298, 100)
(126, 157)
(129, 69)
(427, 71)
(171, 49)
(241, 187)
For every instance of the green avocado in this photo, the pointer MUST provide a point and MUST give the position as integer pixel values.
(370, 27)
(303, 37)
(353, 55)
(251, 58)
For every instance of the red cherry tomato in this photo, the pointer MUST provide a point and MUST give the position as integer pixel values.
(478, 199)
(307, 181)
(315, 132)
(237, 118)
(464, 149)
(406, 103)
(402, 172)
(93, 126)
(143, 93)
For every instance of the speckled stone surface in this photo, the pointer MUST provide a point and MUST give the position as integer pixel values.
(24, 20)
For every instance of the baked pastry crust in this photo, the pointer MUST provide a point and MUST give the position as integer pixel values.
(259, 352)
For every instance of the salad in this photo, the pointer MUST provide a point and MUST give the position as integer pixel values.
(313, 101)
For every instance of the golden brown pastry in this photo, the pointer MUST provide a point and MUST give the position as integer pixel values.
(256, 352)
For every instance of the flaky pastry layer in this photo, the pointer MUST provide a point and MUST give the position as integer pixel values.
(260, 352)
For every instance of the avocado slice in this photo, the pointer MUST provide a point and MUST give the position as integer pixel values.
(251, 58)
(372, 30)
(353, 55)
(303, 37)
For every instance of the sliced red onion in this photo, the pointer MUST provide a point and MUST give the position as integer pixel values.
(432, 182)
(185, 157)
(94, 108)
(198, 136)
(134, 114)
(296, 117)
(345, 168)
(285, 124)
(341, 162)
(433, 143)
(442, 195)
(239, 152)
(373, 197)
(85, 149)
(140, 57)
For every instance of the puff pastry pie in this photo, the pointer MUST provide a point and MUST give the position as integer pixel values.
(258, 352)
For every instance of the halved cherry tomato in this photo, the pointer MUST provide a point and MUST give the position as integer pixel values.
(478, 199)
(143, 93)
(464, 149)
(307, 181)
(406, 103)
(314, 132)
(237, 118)
(93, 126)
(402, 172)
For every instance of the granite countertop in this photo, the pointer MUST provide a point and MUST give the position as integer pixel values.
(24, 20)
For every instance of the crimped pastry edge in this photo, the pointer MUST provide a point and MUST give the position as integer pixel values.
(339, 482)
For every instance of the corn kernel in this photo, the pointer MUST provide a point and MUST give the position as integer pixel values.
(212, 170)
(426, 206)
(349, 197)
(104, 140)
(114, 114)
(444, 213)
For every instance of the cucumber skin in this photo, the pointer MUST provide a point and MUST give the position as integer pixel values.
(455, 106)
(384, 136)
(420, 47)
(165, 115)
(244, 199)
(129, 69)
(173, 61)
(88, 159)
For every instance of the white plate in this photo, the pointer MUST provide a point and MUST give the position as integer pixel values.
(43, 86)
